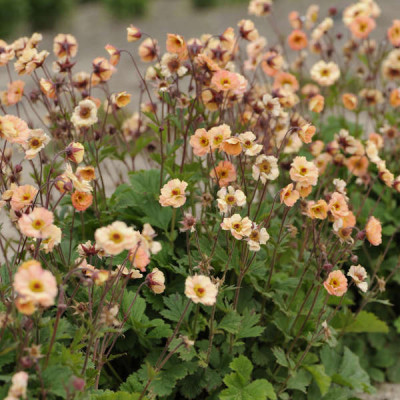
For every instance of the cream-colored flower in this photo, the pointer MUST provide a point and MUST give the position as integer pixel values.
(257, 237)
(200, 289)
(85, 114)
(325, 74)
(229, 197)
(115, 238)
(239, 227)
(265, 168)
(304, 171)
(36, 141)
(173, 194)
(248, 142)
(359, 275)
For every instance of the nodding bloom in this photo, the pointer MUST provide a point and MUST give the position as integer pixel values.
(247, 30)
(229, 197)
(173, 193)
(36, 223)
(115, 238)
(75, 152)
(65, 45)
(247, 140)
(286, 81)
(68, 180)
(359, 275)
(373, 230)
(132, 33)
(297, 40)
(336, 283)
(231, 146)
(35, 142)
(121, 99)
(33, 283)
(316, 103)
(102, 70)
(272, 105)
(224, 80)
(257, 237)
(325, 74)
(289, 196)
(201, 142)
(48, 87)
(14, 93)
(148, 234)
(85, 114)
(98, 276)
(200, 289)
(81, 200)
(225, 173)
(362, 26)
(338, 205)
(265, 168)
(19, 384)
(393, 33)
(272, 63)
(357, 165)
(303, 171)
(155, 280)
(260, 8)
(23, 196)
(343, 227)
(139, 255)
(317, 210)
(218, 134)
(172, 65)
(53, 239)
(350, 101)
(87, 173)
(306, 133)
(115, 54)
(239, 227)
(176, 44)
(148, 50)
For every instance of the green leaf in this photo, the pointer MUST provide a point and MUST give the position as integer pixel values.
(248, 326)
(243, 367)
(367, 322)
(280, 356)
(321, 378)
(230, 323)
(300, 381)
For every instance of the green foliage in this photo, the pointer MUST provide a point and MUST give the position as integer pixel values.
(126, 8)
(11, 15)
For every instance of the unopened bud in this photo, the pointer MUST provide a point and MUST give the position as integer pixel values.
(78, 383)
(360, 235)
(328, 267)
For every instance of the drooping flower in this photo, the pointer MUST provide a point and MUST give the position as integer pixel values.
(359, 275)
(115, 238)
(265, 168)
(173, 193)
(289, 196)
(257, 237)
(81, 200)
(349, 101)
(239, 227)
(33, 283)
(260, 7)
(336, 283)
(36, 223)
(200, 289)
(148, 233)
(148, 50)
(155, 280)
(373, 230)
(132, 33)
(303, 171)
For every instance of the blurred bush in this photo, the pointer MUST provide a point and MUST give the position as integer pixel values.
(12, 14)
(204, 3)
(126, 8)
(44, 14)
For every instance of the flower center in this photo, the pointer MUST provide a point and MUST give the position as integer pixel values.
(36, 286)
(38, 224)
(199, 290)
(116, 237)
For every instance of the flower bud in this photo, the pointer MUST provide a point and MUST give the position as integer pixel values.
(354, 259)
(328, 267)
(360, 235)
(133, 34)
(78, 383)
(75, 152)
(18, 168)
(155, 280)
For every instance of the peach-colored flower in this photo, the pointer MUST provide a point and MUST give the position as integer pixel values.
(115, 238)
(13, 129)
(272, 63)
(36, 223)
(394, 33)
(373, 230)
(336, 283)
(81, 200)
(33, 283)
(132, 33)
(148, 50)
(316, 103)
(53, 238)
(173, 193)
(265, 168)
(297, 40)
(139, 257)
(231, 146)
(102, 70)
(260, 8)
(176, 44)
(75, 152)
(201, 142)
(303, 171)
(338, 205)
(317, 210)
(218, 134)
(26, 307)
(349, 101)
(36, 141)
(359, 275)
(229, 197)
(285, 80)
(115, 54)
(23, 196)
(357, 165)
(247, 30)
(121, 99)
(225, 173)
(304, 189)
(200, 289)
(155, 280)
(306, 133)
(289, 196)
(224, 80)
(14, 92)
(322, 161)
(65, 45)
(362, 26)
(86, 173)
(325, 74)
(19, 384)
(239, 227)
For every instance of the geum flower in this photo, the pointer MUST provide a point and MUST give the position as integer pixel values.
(304, 171)
(265, 168)
(336, 283)
(200, 289)
(115, 238)
(36, 223)
(239, 227)
(173, 193)
(201, 142)
(359, 275)
(229, 197)
(257, 237)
